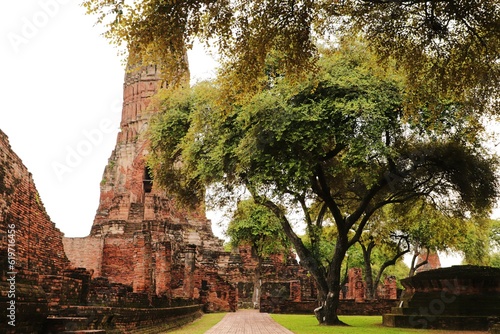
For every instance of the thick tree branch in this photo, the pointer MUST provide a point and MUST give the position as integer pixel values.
(321, 215)
(367, 254)
(324, 192)
(391, 262)
(307, 259)
(313, 235)
(333, 153)
(365, 202)
(414, 267)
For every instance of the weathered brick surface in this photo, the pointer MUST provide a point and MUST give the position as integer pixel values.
(431, 260)
(346, 307)
(455, 298)
(355, 285)
(61, 290)
(91, 247)
(39, 245)
(118, 260)
(122, 320)
(31, 308)
(389, 289)
(296, 293)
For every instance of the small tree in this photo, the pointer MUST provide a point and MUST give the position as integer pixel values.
(255, 225)
(481, 241)
(391, 248)
(429, 228)
(495, 244)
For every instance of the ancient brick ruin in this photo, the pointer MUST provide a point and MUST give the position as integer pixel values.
(146, 261)
(140, 238)
(455, 298)
(353, 301)
(39, 242)
(355, 288)
(29, 238)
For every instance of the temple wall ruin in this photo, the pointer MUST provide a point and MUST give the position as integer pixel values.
(38, 243)
(31, 249)
(85, 253)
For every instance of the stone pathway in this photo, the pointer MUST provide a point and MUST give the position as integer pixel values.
(248, 322)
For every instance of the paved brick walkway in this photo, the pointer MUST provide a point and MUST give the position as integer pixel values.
(248, 322)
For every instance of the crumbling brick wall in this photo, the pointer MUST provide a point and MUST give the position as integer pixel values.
(35, 247)
(38, 243)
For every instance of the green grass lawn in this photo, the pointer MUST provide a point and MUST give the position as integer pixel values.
(307, 324)
(201, 325)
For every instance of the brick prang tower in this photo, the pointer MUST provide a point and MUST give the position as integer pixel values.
(140, 237)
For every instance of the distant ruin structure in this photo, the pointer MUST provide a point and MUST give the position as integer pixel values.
(455, 298)
(428, 261)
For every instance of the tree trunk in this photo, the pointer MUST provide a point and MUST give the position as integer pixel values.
(327, 313)
(367, 254)
(414, 267)
(328, 284)
(256, 284)
(331, 307)
(386, 264)
(332, 300)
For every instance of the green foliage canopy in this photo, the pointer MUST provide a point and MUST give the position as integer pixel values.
(430, 228)
(480, 243)
(444, 46)
(447, 48)
(255, 225)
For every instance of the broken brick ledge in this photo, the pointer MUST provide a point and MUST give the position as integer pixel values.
(117, 320)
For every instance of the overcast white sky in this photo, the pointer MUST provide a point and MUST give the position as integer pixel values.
(61, 93)
(61, 84)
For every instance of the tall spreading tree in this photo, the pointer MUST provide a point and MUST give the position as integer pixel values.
(448, 48)
(339, 138)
